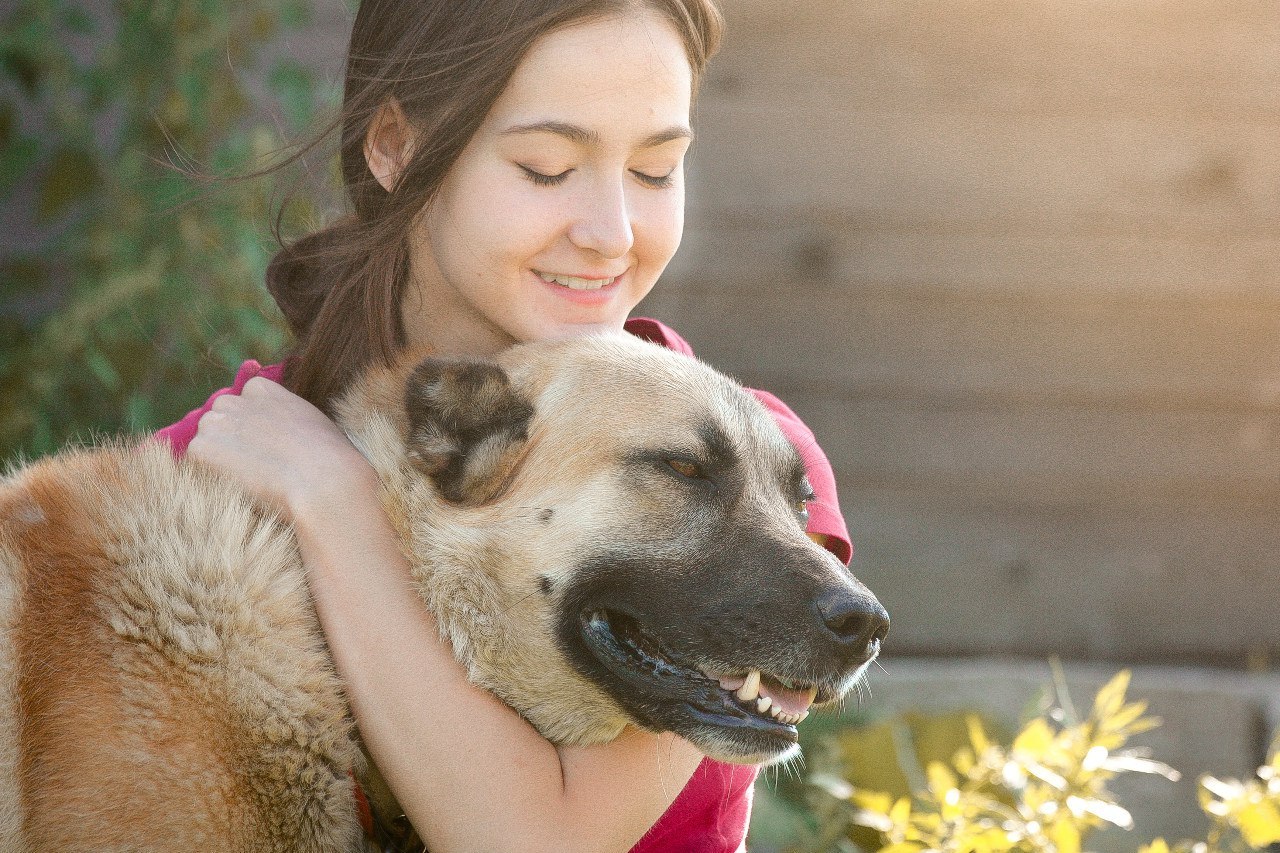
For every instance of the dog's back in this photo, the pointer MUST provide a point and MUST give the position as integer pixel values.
(156, 633)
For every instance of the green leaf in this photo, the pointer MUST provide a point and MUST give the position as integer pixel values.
(102, 369)
(1110, 697)
(1065, 836)
(22, 68)
(294, 84)
(8, 123)
(1260, 823)
(140, 412)
(78, 21)
(1034, 739)
(17, 160)
(72, 175)
(294, 15)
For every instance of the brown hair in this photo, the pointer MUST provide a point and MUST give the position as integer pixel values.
(445, 62)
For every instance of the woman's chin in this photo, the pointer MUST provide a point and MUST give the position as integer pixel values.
(559, 331)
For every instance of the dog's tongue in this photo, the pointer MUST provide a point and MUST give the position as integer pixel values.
(788, 700)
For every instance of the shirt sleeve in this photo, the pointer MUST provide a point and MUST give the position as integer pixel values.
(710, 815)
(179, 435)
(824, 509)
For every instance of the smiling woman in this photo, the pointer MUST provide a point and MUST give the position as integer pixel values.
(515, 170)
(585, 147)
(448, 109)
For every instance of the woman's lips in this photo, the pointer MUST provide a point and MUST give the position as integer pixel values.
(574, 282)
(581, 290)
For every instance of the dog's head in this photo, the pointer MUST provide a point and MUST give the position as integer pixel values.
(609, 532)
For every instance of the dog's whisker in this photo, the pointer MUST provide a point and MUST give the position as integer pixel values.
(657, 755)
(792, 767)
(521, 600)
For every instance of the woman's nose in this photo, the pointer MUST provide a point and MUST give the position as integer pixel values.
(604, 222)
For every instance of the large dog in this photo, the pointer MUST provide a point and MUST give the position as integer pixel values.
(607, 533)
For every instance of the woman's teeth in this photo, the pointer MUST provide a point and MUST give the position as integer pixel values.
(574, 283)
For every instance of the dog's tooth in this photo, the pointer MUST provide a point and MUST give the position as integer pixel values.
(810, 695)
(804, 715)
(751, 688)
(763, 703)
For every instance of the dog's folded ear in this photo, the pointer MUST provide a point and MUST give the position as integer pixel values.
(467, 427)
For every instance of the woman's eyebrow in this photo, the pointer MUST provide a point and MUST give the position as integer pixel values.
(584, 136)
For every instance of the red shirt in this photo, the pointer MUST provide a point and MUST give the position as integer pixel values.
(710, 815)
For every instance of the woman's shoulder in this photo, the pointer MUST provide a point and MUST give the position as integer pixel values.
(179, 434)
(657, 332)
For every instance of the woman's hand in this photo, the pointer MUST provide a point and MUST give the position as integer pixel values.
(284, 450)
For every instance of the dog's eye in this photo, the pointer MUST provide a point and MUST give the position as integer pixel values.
(685, 468)
(802, 505)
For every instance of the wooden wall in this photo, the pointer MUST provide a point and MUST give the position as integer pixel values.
(1017, 264)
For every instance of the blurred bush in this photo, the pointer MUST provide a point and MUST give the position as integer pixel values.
(1044, 792)
(133, 288)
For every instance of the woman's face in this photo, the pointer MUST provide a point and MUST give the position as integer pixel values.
(568, 202)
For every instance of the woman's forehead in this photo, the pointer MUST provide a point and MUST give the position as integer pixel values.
(619, 78)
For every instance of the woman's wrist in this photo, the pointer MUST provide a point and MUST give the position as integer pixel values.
(348, 481)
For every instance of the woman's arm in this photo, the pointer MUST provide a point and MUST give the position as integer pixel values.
(470, 772)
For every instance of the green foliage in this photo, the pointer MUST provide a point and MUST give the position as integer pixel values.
(1043, 793)
(144, 289)
(1245, 815)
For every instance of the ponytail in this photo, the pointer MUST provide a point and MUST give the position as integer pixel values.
(340, 290)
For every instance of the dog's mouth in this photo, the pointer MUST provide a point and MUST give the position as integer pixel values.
(757, 709)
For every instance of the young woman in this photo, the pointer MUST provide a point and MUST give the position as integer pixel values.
(516, 173)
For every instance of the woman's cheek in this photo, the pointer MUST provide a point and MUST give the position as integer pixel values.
(664, 226)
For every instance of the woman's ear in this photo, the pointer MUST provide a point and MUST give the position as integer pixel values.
(388, 145)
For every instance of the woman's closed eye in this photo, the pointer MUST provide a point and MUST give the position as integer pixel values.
(542, 179)
(657, 182)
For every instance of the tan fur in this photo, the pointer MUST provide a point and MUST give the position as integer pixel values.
(10, 794)
(167, 653)
(160, 656)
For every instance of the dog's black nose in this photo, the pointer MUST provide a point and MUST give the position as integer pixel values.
(858, 622)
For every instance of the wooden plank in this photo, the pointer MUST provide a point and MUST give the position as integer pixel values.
(1019, 47)
(730, 249)
(1131, 117)
(893, 342)
(1046, 453)
(1115, 174)
(1077, 85)
(1189, 581)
